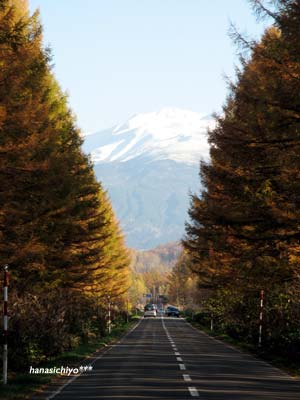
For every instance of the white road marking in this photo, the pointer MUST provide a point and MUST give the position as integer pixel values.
(187, 378)
(193, 391)
(241, 352)
(61, 388)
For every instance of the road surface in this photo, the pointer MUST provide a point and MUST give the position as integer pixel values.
(166, 358)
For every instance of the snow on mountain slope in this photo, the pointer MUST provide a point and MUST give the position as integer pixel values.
(172, 134)
(149, 165)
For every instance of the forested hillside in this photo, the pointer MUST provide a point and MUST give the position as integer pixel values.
(163, 257)
(59, 236)
(151, 270)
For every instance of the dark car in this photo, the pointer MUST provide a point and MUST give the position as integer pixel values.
(172, 311)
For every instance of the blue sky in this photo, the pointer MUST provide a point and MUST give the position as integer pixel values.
(116, 58)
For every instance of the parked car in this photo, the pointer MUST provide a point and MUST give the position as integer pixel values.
(150, 310)
(172, 311)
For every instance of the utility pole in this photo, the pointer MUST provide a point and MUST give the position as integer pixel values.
(262, 293)
(5, 323)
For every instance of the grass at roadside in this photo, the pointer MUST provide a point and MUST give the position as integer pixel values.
(283, 363)
(23, 385)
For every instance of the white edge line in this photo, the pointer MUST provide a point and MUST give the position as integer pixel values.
(283, 373)
(59, 390)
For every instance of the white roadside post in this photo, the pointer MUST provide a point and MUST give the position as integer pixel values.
(5, 323)
(262, 293)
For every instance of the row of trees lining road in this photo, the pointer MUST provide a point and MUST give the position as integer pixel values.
(182, 289)
(59, 235)
(150, 270)
(244, 231)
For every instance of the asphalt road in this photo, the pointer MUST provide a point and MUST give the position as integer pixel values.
(168, 359)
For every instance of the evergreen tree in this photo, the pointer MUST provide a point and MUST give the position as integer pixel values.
(58, 226)
(244, 231)
(58, 230)
(249, 210)
(183, 286)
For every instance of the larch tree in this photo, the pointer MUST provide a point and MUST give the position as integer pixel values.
(58, 226)
(58, 230)
(244, 231)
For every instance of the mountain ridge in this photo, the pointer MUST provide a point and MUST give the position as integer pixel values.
(148, 166)
(168, 134)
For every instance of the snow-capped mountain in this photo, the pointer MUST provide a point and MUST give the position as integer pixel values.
(149, 165)
(172, 134)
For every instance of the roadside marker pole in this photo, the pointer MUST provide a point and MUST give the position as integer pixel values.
(109, 316)
(127, 310)
(211, 323)
(5, 323)
(262, 293)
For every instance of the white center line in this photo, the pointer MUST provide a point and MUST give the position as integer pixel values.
(193, 391)
(187, 378)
